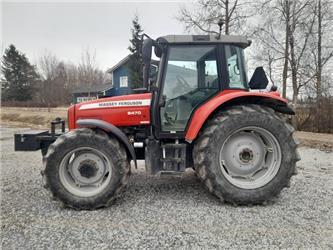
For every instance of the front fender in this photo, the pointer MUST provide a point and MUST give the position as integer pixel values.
(234, 97)
(95, 123)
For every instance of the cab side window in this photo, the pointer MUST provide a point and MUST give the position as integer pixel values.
(235, 67)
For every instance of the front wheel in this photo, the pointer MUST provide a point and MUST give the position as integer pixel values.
(85, 169)
(246, 154)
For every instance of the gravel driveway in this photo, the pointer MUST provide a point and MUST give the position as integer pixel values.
(166, 212)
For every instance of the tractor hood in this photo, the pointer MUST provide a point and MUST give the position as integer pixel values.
(127, 110)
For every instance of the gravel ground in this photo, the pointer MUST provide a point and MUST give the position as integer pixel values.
(165, 212)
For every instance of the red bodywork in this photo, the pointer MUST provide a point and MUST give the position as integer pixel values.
(120, 111)
(134, 110)
(203, 112)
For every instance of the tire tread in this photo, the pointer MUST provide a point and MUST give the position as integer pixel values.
(203, 162)
(107, 140)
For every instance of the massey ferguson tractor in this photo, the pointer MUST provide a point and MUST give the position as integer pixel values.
(199, 111)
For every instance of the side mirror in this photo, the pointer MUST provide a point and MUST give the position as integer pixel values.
(146, 50)
(158, 51)
(259, 79)
(146, 59)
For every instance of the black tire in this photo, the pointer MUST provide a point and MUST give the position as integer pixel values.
(206, 153)
(112, 149)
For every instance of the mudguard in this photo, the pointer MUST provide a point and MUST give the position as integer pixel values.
(95, 123)
(234, 97)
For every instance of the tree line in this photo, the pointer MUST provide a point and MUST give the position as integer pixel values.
(50, 82)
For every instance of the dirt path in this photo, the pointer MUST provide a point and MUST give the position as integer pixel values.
(316, 140)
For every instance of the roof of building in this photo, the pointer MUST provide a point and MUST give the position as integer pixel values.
(120, 63)
(93, 88)
(124, 61)
(239, 40)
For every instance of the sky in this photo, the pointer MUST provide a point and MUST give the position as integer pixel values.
(67, 28)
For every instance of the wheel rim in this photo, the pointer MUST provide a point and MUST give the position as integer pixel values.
(85, 171)
(250, 157)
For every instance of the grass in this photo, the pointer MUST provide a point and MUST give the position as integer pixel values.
(31, 117)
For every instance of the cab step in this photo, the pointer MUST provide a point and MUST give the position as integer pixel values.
(173, 157)
(171, 173)
(165, 158)
(174, 160)
(174, 146)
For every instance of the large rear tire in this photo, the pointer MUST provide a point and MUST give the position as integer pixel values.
(246, 154)
(85, 169)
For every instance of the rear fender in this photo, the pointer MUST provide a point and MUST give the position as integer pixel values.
(225, 99)
(95, 123)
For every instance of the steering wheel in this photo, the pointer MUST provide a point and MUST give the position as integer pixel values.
(183, 82)
(236, 70)
(170, 112)
(171, 105)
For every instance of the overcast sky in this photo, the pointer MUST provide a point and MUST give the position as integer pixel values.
(65, 29)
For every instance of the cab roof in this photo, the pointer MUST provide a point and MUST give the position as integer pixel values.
(237, 40)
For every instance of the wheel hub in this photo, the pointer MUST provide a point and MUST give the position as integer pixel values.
(88, 169)
(246, 155)
(243, 154)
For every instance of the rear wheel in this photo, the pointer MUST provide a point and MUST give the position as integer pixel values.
(85, 169)
(246, 154)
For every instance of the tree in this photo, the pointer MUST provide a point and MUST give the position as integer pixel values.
(301, 28)
(59, 78)
(54, 87)
(321, 52)
(286, 15)
(89, 74)
(207, 13)
(302, 48)
(269, 34)
(290, 41)
(19, 76)
(47, 67)
(135, 60)
(321, 49)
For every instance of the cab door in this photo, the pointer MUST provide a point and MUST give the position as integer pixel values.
(190, 77)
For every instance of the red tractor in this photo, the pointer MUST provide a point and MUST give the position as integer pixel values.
(199, 112)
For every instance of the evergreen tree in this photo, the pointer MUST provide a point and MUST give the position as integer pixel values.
(19, 76)
(135, 61)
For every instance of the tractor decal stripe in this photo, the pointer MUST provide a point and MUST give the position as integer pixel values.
(111, 104)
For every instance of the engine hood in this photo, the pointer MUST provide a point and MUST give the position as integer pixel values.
(134, 100)
(127, 110)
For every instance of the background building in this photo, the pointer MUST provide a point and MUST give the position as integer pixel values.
(121, 83)
(120, 76)
(92, 92)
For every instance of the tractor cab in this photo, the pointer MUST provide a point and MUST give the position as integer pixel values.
(193, 69)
